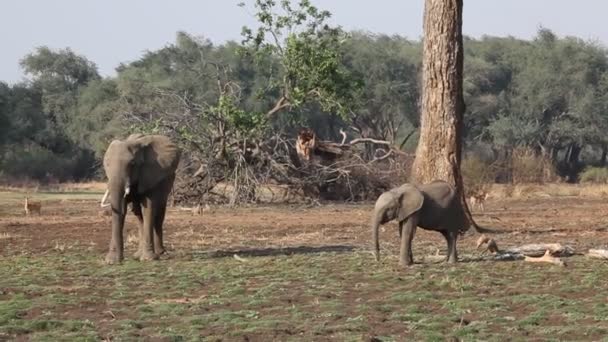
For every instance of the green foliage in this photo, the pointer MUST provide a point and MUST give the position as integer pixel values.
(389, 67)
(59, 75)
(239, 120)
(309, 54)
(596, 175)
(36, 162)
(46, 133)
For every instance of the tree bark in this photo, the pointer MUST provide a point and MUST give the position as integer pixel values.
(439, 148)
(441, 126)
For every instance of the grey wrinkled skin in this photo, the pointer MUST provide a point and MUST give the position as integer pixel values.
(145, 165)
(433, 206)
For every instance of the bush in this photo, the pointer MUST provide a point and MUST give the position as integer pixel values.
(478, 176)
(596, 175)
(528, 167)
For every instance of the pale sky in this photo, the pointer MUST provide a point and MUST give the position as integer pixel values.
(112, 31)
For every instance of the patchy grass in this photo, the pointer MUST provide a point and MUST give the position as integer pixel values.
(343, 296)
(303, 274)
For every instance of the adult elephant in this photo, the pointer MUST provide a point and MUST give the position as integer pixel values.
(141, 171)
(433, 206)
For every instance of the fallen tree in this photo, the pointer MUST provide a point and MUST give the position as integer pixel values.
(303, 168)
(535, 252)
(598, 253)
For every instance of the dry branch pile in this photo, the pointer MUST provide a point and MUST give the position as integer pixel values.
(242, 171)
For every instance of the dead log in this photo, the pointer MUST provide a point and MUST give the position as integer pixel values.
(598, 253)
(537, 252)
(539, 249)
(547, 257)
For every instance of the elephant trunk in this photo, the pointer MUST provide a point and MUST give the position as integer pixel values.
(375, 227)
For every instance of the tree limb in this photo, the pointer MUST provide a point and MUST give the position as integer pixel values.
(280, 105)
(364, 140)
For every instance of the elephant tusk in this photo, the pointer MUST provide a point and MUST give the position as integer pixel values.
(103, 200)
(127, 191)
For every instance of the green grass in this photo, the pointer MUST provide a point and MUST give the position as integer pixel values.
(302, 297)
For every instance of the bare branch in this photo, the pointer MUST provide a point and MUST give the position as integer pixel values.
(343, 136)
(280, 105)
(364, 140)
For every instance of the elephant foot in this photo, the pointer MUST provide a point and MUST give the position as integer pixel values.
(147, 256)
(406, 263)
(452, 260)
(113, 258)
(160, 250)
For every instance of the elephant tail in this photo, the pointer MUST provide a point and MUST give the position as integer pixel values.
(375, 227)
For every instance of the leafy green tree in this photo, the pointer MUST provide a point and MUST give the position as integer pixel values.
(308, 53)
(58, 75)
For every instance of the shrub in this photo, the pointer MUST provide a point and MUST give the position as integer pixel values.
(478, 176)
(597, 175)
(528, 167)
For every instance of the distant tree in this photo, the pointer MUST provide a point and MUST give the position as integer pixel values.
(59, 75)
(46, 111)
(387, 107)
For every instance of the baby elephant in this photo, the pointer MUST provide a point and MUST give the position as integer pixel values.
(434, 206)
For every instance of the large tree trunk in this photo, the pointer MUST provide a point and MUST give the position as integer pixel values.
(439, 148)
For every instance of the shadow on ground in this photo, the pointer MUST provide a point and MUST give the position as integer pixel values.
(261, 252)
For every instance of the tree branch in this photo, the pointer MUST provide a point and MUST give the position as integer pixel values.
(364, 140)
(280, 105)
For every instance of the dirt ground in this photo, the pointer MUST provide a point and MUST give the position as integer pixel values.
(75, 228)
(579, 222)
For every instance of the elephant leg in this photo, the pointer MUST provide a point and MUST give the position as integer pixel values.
(451, 237)
(146, 243)
(161, 198)
(140, 229)
(159, 247)
(116, 251)
(406, 256)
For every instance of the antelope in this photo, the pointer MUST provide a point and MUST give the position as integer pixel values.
(478, 199)
(31, 206)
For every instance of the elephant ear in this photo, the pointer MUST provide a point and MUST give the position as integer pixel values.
(110, 152)
(410, 200)
(159, 159)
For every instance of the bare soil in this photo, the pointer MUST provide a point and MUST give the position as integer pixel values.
(579, 222)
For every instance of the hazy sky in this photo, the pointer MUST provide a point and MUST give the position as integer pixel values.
(112, 31)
